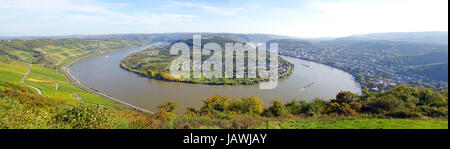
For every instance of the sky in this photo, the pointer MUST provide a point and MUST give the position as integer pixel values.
(297, 18)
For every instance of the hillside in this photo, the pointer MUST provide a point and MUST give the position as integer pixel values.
(436, 70)
(385, 47)
(294, 45)
(422, 59)
(22, 108)
(44, 60)
(56, 53)
(435, 37)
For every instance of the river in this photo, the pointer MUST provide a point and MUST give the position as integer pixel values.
(309, 80)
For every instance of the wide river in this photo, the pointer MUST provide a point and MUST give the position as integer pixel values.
(103, 73)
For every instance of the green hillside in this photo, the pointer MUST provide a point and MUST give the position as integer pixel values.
(47, 58)
(57, 53)
(400, 108)
(436, 71)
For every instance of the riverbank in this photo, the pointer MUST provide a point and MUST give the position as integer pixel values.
(158, 69)
(77, 83)
(105, 74)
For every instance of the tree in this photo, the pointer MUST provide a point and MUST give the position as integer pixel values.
(346, 97)
(250, 105)
(341, 108)
(276, 109)
(168, 106)
(431, 98)
(295, 107)
(382, 104)
(405, 93)
(215, 103)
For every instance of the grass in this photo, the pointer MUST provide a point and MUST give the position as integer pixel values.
(46, 79)
(359, 124)
(56, 50)
(45, 75)
(12, 72)
(26, 56)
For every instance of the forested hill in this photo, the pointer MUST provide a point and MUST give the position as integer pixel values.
(433, 37)
(219, 40)
(294, 44)
(163, 37)
(385, 47)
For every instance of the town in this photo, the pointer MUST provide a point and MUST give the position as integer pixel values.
(365, 67)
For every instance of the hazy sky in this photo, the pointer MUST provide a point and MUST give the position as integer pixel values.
(300, 18)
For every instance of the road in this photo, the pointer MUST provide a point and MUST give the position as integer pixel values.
(77, 83)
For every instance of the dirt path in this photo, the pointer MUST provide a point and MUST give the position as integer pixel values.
(22, 81)
(59, 62)
(81, 99)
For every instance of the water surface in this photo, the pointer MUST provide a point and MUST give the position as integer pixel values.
(104, 73)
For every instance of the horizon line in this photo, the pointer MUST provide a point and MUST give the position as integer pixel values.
(304, 37)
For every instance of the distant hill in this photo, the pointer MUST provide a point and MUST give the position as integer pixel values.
(436, 71)
(435, 37)
(162, 37)
(219, 40)
(423, 59)
(433, 65)
(391, 48)
(294, 44)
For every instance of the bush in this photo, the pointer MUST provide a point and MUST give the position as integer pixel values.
(215, 103)
(85, 116)
(294, 107)
(315, 108)
(168, 106)
(276, 109)
(15, 115)
(431, 98)
(346, 97)
(191, 110)
(382, 104)
(405, 93)
(355, 106)
(237, 122)
(250, 105)
(403, 113)
(434, 111)
(162, 116)
(245, 122)
(141, 121)
(341, 109)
